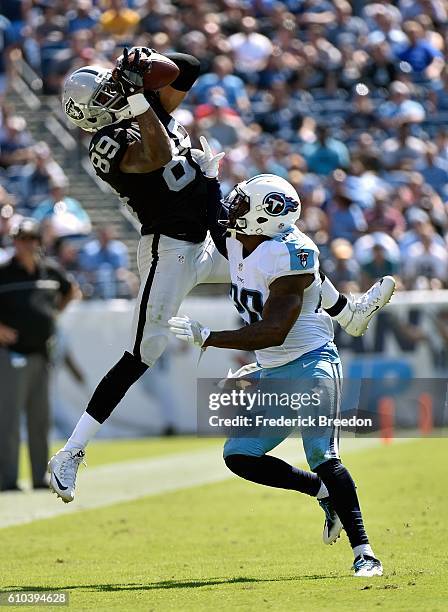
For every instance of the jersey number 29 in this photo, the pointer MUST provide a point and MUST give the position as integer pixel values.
(249, 301)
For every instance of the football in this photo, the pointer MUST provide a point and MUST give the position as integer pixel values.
(161, 70)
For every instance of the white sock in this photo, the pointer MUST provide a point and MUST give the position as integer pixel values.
(363, 549)
(345, 316)
(323, 492)
(85, 429)
(330, 294)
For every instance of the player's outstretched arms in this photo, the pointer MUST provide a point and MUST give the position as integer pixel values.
(172, 95)
(280, 312)
(154, 150)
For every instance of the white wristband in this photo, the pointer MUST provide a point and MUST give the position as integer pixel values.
(139, 104)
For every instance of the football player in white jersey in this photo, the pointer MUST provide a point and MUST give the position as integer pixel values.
(276, 287)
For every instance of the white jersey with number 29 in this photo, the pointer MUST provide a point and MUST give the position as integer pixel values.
(251, 276)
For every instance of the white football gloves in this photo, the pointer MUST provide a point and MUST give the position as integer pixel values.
(208, 163)
(244, 371)
(188, 330)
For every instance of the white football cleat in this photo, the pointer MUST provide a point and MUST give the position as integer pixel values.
(365, 566)
(63, 468)
(332, 526)
(356, 316)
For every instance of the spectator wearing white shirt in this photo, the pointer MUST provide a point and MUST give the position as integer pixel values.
(251, 49)
(400, 108)
(403, 148)
(426, 263)
(385, 23)
(222, 78)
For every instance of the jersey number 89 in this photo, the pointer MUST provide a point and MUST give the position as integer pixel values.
(105, 149)
(177, 173)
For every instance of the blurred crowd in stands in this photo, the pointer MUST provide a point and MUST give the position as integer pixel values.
(33, 184)
(347, 100)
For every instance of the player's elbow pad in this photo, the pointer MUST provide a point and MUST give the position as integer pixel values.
(189, 68)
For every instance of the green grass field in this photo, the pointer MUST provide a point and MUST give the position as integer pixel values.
(238, 546)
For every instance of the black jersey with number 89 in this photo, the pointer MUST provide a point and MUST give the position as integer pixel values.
(170, 200)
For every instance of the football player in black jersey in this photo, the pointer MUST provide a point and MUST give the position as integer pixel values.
(143, 153)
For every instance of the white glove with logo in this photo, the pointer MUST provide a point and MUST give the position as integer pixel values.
(208, 163)
(188, 330)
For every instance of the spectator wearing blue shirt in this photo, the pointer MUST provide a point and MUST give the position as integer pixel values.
(345, 24)
(15, 142)
(84, 18)
(106, 261)
(326, 154)
(105, 249)
(411, 9)
(435, 171)
(346, 218)
(379, 264)
(438, 94)
(67, 215)
(5, 41)
(223, 80)
(420, 53)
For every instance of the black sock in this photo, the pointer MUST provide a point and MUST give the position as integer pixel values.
(113, 387)
(273, 472)
(343, 496)
(338, 307)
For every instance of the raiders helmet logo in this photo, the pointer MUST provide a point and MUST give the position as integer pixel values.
(303, 257)
(276, 204)
(73, 110)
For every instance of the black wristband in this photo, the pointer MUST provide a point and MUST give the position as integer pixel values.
(189, 68)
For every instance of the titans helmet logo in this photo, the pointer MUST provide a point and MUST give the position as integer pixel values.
(73, 110)
(277, 204)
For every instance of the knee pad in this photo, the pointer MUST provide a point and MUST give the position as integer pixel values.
(153, 345)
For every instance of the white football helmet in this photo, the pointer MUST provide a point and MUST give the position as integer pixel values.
(264, 205)
(91, 99)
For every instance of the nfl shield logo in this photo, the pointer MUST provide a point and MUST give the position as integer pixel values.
(303, 256)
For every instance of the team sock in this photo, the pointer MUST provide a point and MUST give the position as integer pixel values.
(108, 394)
(274, 472)
(114, 386)
(84, 431)
(345, 501)
(363, 549)
(333, 302)
(329, 293)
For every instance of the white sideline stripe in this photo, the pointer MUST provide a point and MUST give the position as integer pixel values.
(130, 480)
